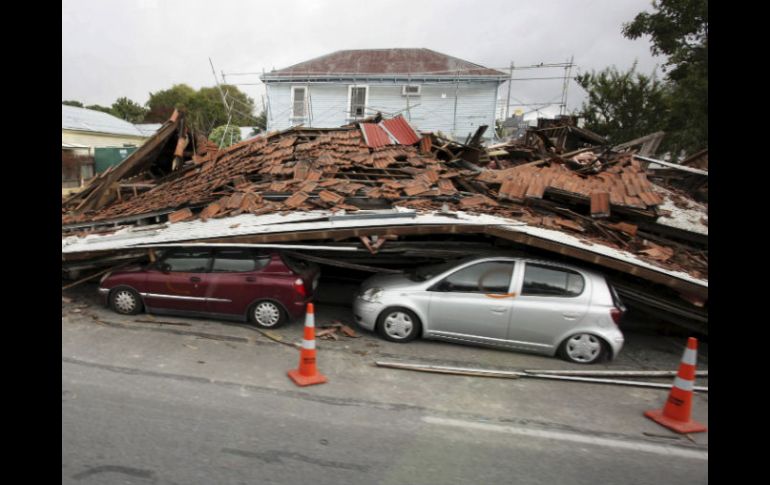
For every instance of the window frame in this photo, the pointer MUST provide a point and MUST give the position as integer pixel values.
(435, 287)
(255, 258)
(294, 115)
(162, 260)
(405, 86)
(351, 115)
(553, 268)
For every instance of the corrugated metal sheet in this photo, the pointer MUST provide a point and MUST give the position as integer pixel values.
(247, 224)
(400, 129)
(81, 119)
(374, 135)
(362, 62)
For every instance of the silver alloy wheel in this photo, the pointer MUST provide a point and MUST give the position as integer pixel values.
(398, 325)
(125, 301)
(583, 348)
(267, 314)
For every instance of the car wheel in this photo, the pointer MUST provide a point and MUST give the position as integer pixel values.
(266, 314)
(398, 325)
(583, 348)
(125, 301)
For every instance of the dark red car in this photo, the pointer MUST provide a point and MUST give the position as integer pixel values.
(267, 288)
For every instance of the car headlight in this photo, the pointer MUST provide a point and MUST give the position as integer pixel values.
(372, 295)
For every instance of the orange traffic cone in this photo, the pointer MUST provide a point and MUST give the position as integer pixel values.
(307, 374)
(676, 412)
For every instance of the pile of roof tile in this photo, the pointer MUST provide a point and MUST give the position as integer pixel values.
(292, 172)
(382, 164)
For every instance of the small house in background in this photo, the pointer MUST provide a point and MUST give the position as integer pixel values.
(92, 141)
(433, 91)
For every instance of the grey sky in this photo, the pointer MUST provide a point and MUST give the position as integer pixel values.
(131, 48)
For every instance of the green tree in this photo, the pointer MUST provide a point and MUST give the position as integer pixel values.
(225, 136)
(678, 30)
(128, 110)
(622, 106)
(97, 107)
(77, 104)
(162, 103)
(205, 109)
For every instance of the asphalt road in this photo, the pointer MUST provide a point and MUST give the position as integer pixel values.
(131, 425)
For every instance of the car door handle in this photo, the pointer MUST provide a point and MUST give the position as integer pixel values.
(195, 279)
(570, 316)
(251, 279)
(498, 309)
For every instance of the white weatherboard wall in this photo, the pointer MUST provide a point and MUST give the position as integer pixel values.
(432, 110)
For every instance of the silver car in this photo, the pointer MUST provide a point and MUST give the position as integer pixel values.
(508, 302)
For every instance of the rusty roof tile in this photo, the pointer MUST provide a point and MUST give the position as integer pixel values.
(476, 201)
(296, 200)
(234, 201)
(536, 188)
(180, 215)
(447, 187)
(331, 197)
(308, 187)
(569, 224)
(210, 211)
(416, 188)
(600, 204)
(624, 227)
(512, 190)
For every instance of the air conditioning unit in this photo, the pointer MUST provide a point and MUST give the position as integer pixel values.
(410, 90)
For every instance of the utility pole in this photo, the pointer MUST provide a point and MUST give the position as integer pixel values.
(454, 116)
(508, 100)
(219, 87)
(565, 86)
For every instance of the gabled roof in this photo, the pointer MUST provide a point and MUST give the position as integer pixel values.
(82, 119)
(385, 62)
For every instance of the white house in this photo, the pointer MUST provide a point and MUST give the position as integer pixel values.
(434, 91)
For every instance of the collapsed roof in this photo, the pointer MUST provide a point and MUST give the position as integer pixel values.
(591, 203)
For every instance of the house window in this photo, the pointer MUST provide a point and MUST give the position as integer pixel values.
(410, 90)
(358, 95)
(299, 102)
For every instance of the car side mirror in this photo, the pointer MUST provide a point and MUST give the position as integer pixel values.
(164, 267)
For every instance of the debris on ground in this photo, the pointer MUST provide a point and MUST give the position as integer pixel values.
(329, 331)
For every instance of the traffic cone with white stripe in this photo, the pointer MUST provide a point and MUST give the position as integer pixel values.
(307, 374)
(676, 412)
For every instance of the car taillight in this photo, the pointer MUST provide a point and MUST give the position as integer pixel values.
(299, 287)
(616, 313)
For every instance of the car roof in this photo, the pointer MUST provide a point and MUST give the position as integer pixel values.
(507, 257)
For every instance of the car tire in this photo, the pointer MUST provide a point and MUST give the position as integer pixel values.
(125, 301)
(583, 348)
(267, 314)
(398, 325)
